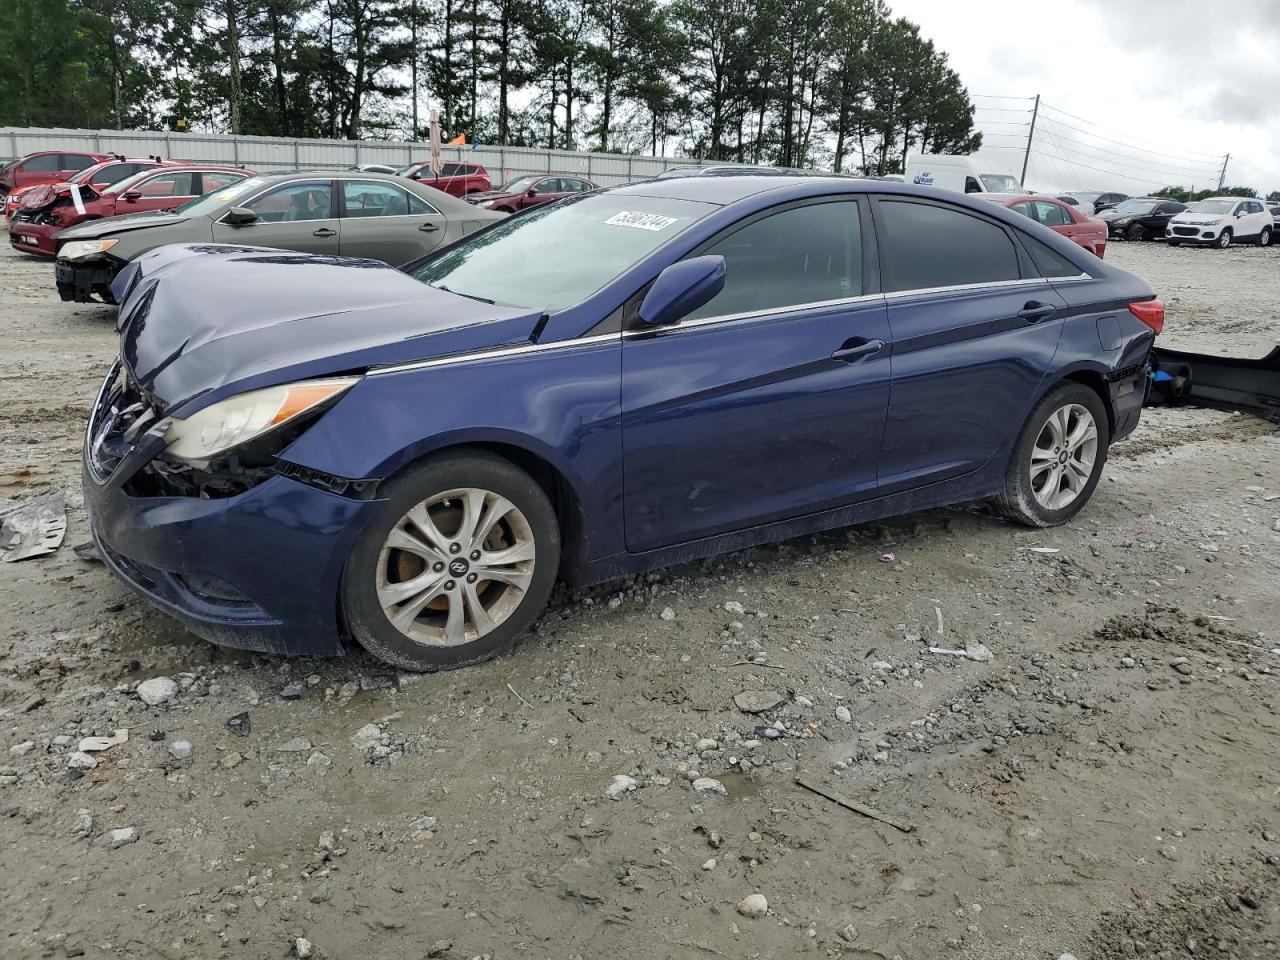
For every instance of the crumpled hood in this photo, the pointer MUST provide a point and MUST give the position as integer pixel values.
(94, 229)
(486, 195)
(205, 321)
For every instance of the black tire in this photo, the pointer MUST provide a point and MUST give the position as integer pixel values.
(1137, 232)
(1264, 238)
(477, 469)
(1018, 499)
(1224, 239)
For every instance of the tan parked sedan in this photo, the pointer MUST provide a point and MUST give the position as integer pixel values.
(348, 214)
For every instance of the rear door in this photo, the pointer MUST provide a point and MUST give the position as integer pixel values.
(44, 168)
(73, 163)
(974, 328)
(161, 191)
(301, 216)
(768, 402)
(386, 222)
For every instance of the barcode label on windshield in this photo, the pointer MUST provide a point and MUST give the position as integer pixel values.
(641, 221)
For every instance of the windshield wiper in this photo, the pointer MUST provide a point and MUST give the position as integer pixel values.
(469, 296)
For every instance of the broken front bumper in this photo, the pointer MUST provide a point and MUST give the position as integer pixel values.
(83, 280)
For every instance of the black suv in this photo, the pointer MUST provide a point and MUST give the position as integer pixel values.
(1140, 217)
(1106, 201)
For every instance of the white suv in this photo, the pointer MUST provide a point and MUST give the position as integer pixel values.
(1218, 221)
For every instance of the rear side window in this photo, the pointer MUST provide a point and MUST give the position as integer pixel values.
(1052, 215)
(370, 198)
(1048, 261)
(927, 245)
(76, 161)
(210, 180)
(167, 185)
(807, 254)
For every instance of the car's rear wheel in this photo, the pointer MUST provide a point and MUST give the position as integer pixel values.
(1137, 232)
(1058, 458)
(459, 562)
(1264, 238)
(1224, 239)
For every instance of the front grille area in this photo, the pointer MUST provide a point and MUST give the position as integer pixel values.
(121, 415)
(1185, 231)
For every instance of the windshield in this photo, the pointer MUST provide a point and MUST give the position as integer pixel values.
(1213, 206)
(557, 255)
(520, 184)
(203, 206)
(1135, 207)
(1001, 183)
(82, 176)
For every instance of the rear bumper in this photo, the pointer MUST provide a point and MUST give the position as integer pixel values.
(85, 280)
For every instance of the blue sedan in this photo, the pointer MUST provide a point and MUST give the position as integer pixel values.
(295, 452)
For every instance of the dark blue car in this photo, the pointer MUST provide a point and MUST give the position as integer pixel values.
(298, 451)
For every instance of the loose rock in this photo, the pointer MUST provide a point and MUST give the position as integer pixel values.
(157, 690)
(754, 906)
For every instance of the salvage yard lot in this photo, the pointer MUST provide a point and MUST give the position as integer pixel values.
(1105, 785)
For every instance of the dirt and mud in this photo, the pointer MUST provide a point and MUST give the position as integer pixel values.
(1097, 777)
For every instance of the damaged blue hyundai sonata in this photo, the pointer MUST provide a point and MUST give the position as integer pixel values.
(297, 452)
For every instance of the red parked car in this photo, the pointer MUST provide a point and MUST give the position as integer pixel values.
(458, 179)
(99, 177)
(1058, 216)
(44, 213)
(47, 166)
(531, 190)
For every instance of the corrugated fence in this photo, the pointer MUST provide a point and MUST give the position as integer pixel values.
(281, 153)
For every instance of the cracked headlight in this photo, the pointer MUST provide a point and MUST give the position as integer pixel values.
(242, 418)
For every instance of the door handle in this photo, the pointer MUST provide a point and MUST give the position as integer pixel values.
(1034, 311)
(429, 228)
(856, 348)
(325, 232)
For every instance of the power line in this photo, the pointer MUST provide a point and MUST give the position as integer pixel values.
(1076, 163)
(1130, 145)
(1099, 153)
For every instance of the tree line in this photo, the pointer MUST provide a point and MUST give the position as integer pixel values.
(836, 84)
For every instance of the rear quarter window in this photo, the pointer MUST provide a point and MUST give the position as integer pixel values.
(926, 245)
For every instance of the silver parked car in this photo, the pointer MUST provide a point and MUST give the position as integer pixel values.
(346, 213)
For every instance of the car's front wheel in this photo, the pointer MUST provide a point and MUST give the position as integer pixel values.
(1137, 232)
(458, 563)
(1224, 239)
(1058, 458)
(1264, 238)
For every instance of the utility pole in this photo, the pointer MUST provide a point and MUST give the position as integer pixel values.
(1222, 177)
(413, 40)
(1026, 157)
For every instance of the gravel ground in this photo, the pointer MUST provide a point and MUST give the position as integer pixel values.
(1098, 777)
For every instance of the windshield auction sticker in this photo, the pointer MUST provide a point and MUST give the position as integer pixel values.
(641, 221)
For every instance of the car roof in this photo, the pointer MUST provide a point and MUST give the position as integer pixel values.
(722, 190)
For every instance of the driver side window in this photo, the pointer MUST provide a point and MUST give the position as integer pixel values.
(808, 254)
(296, 201)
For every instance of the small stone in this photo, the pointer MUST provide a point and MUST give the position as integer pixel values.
(706, 743)
(757, 701)
(157, 690)
(843, 714)
(439, 949)
(620, 787)
(709, 864)
(180, 749)
(753, 906)
(1128, 662)
(667, 614)
(231, 760)
(114, 839)
(1067, 956)
(23, 748)
(98, 744)
(319, 760)
(709, 785)
(849, 934)
(81, 761)
(296, 745)
(303, 948)
(802, 702)
(239, 724)
(370, 735)
(978, 653)
(733, 606)
(291, 692)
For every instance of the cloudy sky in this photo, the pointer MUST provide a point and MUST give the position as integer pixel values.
(1138, 92)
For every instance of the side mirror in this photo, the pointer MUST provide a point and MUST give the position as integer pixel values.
(131, 195)
(533, 192)
(239, 216)
(682, 288)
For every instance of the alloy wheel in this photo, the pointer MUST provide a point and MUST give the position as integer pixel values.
(1264, 239)
(455, 567)
(1224, 239)
(1063, 456)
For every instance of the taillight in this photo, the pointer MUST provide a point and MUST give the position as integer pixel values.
(1150, 312)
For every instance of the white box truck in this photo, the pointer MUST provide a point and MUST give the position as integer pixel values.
(964, 174)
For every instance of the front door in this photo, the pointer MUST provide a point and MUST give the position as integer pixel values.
(974, 329)
(297, 216)
(386, 222)
(163, 191)
(768, 402)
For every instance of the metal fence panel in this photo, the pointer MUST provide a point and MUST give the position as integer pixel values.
(279, 153)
